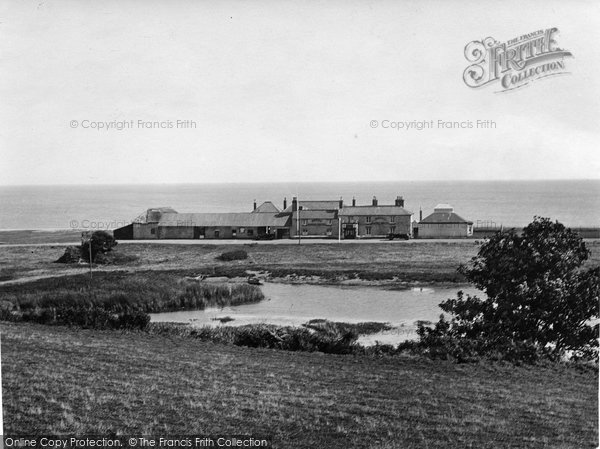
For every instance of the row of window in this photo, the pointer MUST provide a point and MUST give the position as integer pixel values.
(350, 219)
(443, 225)
(242, 231)
(233, 231)
(367, 230)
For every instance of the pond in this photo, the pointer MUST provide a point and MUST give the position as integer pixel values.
(294, 305)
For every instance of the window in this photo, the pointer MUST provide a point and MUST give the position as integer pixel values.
(368, 219)
(368, 229)
(234, 232)
(392, 229)
(250, 231)
(329, 222)
(304, 222)
(242, 230)
(304, 232)
(329, 230)
(392, 219)
(153, 231)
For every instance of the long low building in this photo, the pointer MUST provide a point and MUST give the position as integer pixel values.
(308, 219)
(166, 223)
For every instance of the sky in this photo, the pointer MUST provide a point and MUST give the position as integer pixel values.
(284, 91)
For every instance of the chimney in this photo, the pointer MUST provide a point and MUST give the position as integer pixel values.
(284, 203)
(353, 201)
(399, 201)
(341, 202)
(420, 214)
(254, 204)
(294, 204)
(374, 201)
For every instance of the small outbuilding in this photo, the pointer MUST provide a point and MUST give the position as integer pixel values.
(444, 223)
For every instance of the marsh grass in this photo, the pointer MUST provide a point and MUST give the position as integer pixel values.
(331, 340)
(316, 335)
(78, 300)
(362, 328)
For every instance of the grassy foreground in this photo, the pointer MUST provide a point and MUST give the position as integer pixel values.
(58, 380)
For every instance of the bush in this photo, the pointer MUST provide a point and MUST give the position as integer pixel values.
(540, 301)
(266, 336)
(72, 254)
(238, 254)
(99, 242)
(93, 248)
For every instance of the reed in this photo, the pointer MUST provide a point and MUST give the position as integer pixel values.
(117, 294)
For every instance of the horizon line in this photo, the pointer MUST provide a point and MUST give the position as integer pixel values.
(300, 182)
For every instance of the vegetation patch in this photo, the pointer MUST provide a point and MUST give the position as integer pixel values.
(238, 254)
(330, 340)
(93, 247)
(363, 328)
(98, 382)
(110, 298)
(541, 301)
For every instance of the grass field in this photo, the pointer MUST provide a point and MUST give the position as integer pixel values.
(427, 262)
(58, 380)
(424, 261)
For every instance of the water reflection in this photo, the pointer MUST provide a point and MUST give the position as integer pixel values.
(293, 305)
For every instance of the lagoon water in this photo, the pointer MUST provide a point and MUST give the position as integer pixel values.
(514, 203)
(294, 305)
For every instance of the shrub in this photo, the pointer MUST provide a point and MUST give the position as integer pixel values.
(93, 248)
(238, 254)
(540, 301)
(266, 336)
(72, 254)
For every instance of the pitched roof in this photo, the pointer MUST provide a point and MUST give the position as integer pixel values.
(266, 207)
(243, 219)
(316, 205)
(445, 217)
(374, 210)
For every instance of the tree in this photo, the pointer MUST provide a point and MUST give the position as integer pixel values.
(100, 242)
(539, 299)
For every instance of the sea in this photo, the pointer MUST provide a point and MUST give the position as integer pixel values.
(576, 203)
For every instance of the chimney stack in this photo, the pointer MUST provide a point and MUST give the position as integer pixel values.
(341, 202)
(254, 204)
(399, 201)
(420, 214)
(284, 203)
(294, 204)
(374, 200)
(353, 201)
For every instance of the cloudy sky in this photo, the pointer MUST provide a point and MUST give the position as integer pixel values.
(286, 91)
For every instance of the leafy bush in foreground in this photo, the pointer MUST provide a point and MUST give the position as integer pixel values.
(539, 302)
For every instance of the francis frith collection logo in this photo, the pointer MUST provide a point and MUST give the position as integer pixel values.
(516, 62)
